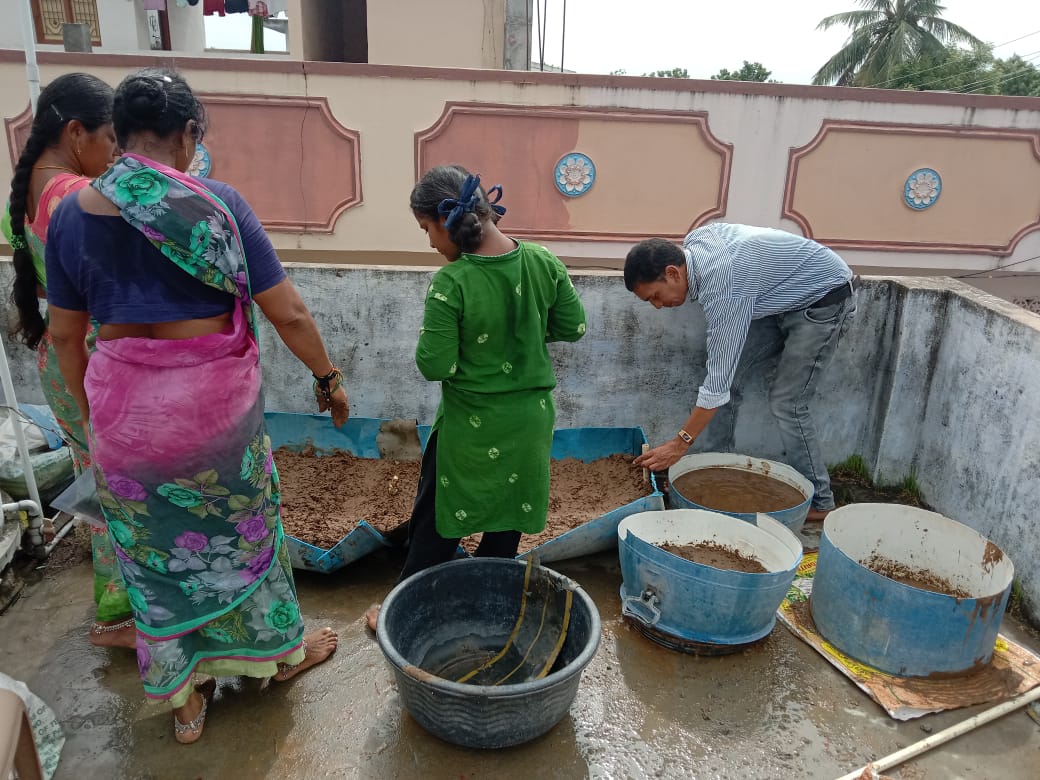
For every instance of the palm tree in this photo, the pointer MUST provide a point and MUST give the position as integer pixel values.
(884, 35)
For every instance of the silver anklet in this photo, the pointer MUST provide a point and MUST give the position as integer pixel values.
(99, 629)
(193, 725)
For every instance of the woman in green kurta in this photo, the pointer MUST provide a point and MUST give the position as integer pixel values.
(488, 316)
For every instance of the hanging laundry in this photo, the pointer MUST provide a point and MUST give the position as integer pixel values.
(154, 5)
(211, 7)
(258, 8)
(236, 6)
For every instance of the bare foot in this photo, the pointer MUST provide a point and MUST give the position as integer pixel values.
(817, 515)
(318, 645)
(114, 633)
(372, 617)
(189, 720)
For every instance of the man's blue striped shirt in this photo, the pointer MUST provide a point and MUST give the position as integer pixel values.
(740, 273)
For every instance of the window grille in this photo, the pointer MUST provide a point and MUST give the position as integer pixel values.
(49, 15)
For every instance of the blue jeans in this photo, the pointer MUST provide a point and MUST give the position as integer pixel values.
(803, 342)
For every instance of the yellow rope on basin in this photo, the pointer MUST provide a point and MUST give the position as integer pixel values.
(516, 629)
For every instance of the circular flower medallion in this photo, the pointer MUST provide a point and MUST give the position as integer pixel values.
(922, 188)
(574, 174)
(200, 163)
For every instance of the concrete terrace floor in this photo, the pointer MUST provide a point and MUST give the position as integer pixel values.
(775, 711)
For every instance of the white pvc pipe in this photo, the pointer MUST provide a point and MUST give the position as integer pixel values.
(32, 70)
(943, 736)
(35, 529)
(19, 434)
(59, 536)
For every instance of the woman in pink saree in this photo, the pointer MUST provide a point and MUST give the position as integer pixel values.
(170, 266)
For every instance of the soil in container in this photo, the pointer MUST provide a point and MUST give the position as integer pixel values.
(716, 555)
(915, 578)
(323, 499)
(580, 492)
(736, 490)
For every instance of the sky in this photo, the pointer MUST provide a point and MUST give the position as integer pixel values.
(705, 36)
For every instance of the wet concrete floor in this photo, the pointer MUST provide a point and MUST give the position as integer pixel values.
(777, 710)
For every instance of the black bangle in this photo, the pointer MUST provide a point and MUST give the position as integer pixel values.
(324, 386)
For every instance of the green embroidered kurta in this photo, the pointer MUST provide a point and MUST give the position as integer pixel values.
(484, 334)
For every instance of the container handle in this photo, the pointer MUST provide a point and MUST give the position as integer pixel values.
(643, 608)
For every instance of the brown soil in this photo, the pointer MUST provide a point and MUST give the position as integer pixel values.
(736, 490)
(323, 499)
(580, 492)
(716, 555)
(916, 578)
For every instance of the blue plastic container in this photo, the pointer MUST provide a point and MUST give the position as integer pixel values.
(358, 437)
(679, 601)
(467, 609)
(898, 628)
(600, 533)
(792, 517)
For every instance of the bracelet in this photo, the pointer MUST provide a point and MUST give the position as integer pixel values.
(685, 436)
(325, 386)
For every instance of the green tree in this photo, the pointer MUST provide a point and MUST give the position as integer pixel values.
(886, 34)
(749, 71)
(951, 69)
(954, 69)
(1015, 76)
(674, 73)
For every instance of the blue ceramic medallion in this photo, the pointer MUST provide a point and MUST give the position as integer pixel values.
(922, 188)
(574, 174)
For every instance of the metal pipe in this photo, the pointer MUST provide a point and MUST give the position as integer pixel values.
(871, 769)
(32, 70)
(563, 36)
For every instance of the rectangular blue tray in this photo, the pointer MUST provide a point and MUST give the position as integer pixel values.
(358, 437)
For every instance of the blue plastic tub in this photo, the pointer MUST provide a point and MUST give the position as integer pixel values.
(792, 517)
(358, 437)
(895, 627)
(600, 533)
(688, 605)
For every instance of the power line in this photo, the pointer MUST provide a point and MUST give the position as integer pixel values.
(998, 268)
(881, 84)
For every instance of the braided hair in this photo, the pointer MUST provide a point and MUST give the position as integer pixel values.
(72, 96)
(444, 183)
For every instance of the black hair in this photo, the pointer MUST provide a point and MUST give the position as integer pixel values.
(77, 96)
(156, 100)
(445, 182)
(646, 261)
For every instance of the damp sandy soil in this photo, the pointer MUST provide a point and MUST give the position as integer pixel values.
(736, 490)
(717, 556)
(914, 577)
(323, 499)
(777, 710)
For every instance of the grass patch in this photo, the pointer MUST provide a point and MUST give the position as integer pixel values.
(853, 468)
(852, 483)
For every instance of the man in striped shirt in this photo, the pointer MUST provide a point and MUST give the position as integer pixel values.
(799, 296)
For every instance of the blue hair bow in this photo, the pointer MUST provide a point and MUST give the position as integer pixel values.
(469, 197)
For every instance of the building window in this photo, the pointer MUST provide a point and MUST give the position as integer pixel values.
(50, 15)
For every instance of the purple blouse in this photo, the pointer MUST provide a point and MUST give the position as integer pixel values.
(103, 265)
